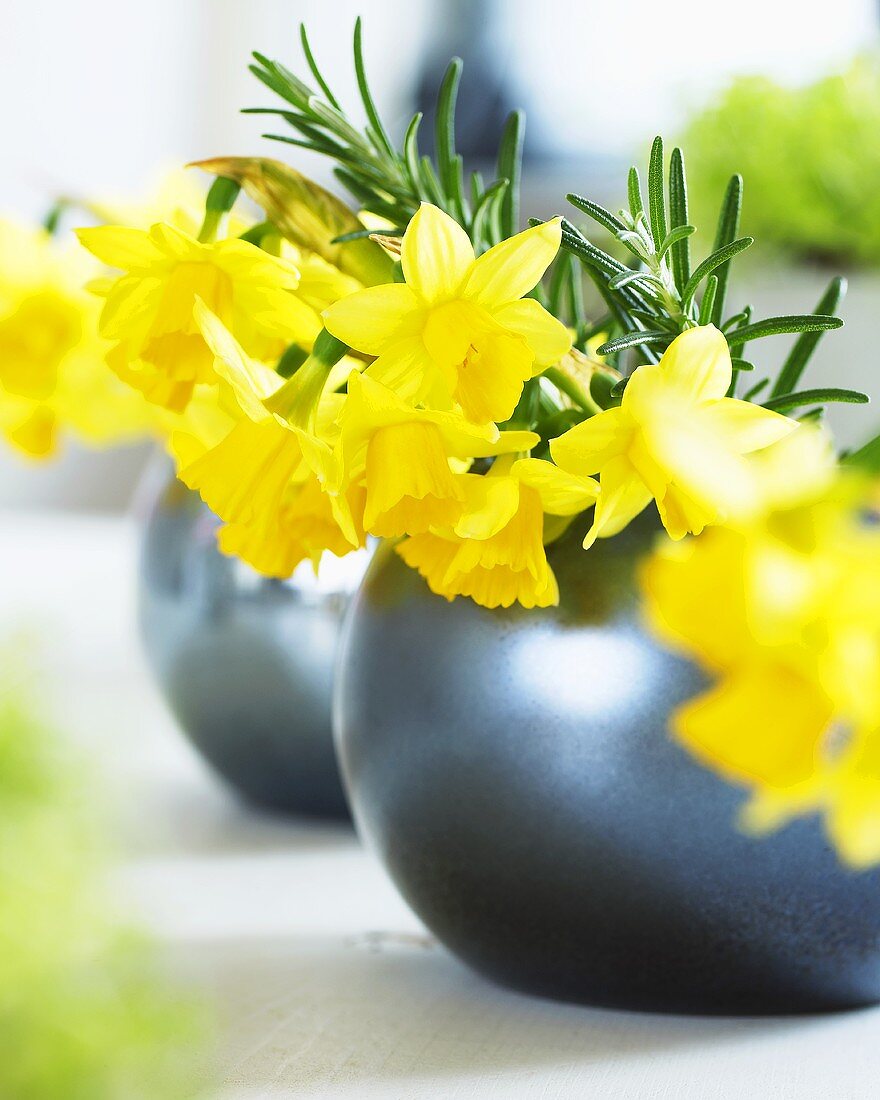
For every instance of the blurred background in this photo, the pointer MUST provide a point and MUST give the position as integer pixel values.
(103, 97)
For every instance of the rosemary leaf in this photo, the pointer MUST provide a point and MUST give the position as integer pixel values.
(799, 357)
(656, 193)
(678, 218)
(708, 303)
(631, 340)
(774, 326)
(810, 397)
(728, 227)
(711, 264)
(510, 168)
(366, 97)
(316, 72)
(598, 213)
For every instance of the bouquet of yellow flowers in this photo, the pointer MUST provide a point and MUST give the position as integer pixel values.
(412, 367)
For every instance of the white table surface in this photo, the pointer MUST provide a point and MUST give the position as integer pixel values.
(325, 984)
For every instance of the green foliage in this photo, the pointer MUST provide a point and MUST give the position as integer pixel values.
(83, 1014)
(658, 296)
(811, 158)
(387, 179)
(866, 458)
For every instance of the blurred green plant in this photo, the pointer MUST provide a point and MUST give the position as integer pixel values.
(84, 1014)
(811, 157)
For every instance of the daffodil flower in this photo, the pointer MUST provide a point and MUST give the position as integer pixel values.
(247, 464)
(302, 528)
(52, 372)
(459, 330)
(403, 456)
(676, 439)
(159, 348)
(495, 552)
(793, 648)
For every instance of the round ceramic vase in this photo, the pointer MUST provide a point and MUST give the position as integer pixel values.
(245, 663)
(514, 771)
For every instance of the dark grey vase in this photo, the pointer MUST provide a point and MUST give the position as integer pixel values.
(514, 772)
(245, 663)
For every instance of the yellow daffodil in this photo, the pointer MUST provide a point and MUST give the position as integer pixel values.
(676, 439)
(42, 321)
(459, 330)
(247, 464)
(301, 529)
(495, 552)
(403, 454)
(794, 647)
(148, 311)
(52, 374)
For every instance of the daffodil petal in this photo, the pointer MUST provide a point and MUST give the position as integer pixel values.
(410, 486)
(622, 495)
(463, 439)
(371, 403)
(713, 476)
(795, 468)
(322, 459)
(853, 820)
(561, 493)
(407, 369)
(436, 254)
(587, 447)
(491, 503)
(251, 382)
(698, 362)
(176, 243)
(129, 306)
(747, 426)
(375, 318)
(265, 267)
(36, 435)
(681, 515)
(245, 475)
(547, 337)
(120, 246)
(506, 443)
(515, 266)
(680, 583)
(759, 725)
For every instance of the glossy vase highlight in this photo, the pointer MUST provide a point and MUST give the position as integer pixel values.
(245, 663)
(514, 771)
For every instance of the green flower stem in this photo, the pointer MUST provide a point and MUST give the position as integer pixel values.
(297, 400)
(220, 199)
(582, 398)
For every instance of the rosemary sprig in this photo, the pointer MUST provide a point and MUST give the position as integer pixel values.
(388, 179)
(391, 181)
(657, 296)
